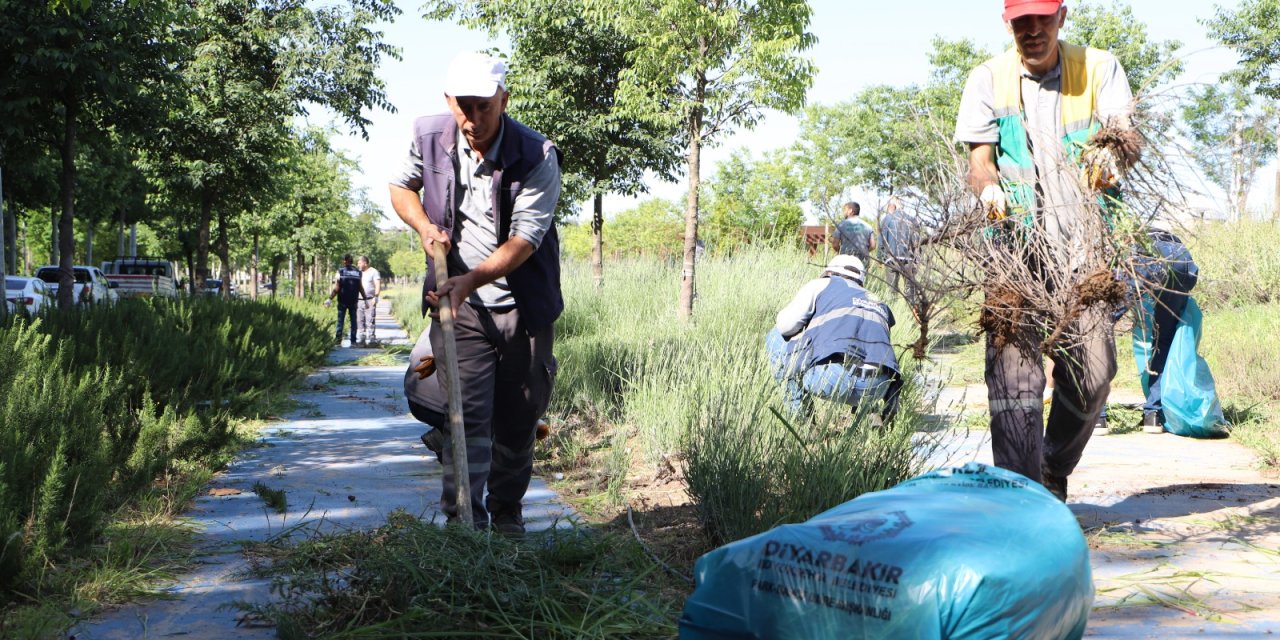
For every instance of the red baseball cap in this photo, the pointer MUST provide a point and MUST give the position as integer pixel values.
(1018, 8)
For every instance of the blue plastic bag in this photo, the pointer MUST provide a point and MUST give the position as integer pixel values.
(1188, 395)
(967, 553)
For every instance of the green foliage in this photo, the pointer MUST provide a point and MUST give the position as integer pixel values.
(460, 583)
(1253, 30)
(275, 499)
(1238, 263)
(1147, 63)
(94, 405)
(651, 228)
(888, 139)
(751, 201)
(706, 390)
(406, 306)
(1234, 135)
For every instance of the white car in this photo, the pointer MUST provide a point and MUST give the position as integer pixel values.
(91, 285)
(26, 295)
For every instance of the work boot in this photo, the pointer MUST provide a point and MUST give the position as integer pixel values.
(1057, 485)
(1101, 428)
(1151, 422)
(509, 521)
(434, 439)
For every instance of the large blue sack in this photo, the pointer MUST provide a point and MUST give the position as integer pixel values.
(967, 553)
(1188, 395)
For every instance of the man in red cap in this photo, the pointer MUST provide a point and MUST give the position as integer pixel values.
(1021, 112)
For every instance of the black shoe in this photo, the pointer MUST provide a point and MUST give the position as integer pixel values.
(1057, 485)
(1151, 422)
(434, 439)
(508, 521)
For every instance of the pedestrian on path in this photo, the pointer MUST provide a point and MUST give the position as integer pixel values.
(898, 245)
(832, 341)
(371, 282)
(854, 237)
(504, 277)
(348, 290)
(1019, 122)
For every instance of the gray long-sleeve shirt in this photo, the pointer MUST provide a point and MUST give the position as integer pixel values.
(475, 235)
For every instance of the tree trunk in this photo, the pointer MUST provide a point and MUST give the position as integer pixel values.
(120, 236)
(202, 239)
(253, 269)
(4, 253)
(11, 235)
(1238, 195)
(66, 236)
(53, 238)
(687, 288)
(224, 255)
(275, 277)
(1275, 209)
(26, 247)
(597, 242)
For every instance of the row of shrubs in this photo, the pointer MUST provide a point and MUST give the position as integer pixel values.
(95, 404)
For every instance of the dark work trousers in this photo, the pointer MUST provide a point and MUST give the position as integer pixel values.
(347, 312)
(507, 375)
(1169, 304)
(1015, 378)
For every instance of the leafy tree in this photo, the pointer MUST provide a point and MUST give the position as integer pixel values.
(257, 64)
(753, 200)
(565, 74)
(653, 228)
(886, 138)
(1146, 63)
(94, 66)
(1233, 136)
(1253, 30)
(710, 66)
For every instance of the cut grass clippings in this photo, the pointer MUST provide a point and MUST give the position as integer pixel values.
(413, 579)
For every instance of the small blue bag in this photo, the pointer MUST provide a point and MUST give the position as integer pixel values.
(968, 553)
(1188, 395)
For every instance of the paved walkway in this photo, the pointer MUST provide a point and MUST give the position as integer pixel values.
(346, 457)
(1184, 534)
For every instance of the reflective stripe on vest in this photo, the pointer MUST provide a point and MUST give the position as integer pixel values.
(1079, 89)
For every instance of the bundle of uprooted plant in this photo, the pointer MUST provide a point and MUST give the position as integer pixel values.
(1058, 271)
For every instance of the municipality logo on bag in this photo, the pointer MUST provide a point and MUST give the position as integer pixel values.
(873, 527)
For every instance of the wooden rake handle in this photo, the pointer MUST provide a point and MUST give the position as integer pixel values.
(457, 430)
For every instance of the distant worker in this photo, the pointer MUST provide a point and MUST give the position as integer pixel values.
(504, 279)
(1165, 278)
(348, 289)
(854, 237)
(899, 245)
(1019, 113)
(371, 282)
(832, 341)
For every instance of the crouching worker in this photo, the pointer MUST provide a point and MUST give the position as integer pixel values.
(832, 341)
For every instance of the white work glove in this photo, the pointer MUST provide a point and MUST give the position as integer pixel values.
(1101, 169)
(993, 202)
(328, 302)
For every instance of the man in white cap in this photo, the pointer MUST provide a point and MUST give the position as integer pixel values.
(1026, 116)
(486, 188)
(832, 341)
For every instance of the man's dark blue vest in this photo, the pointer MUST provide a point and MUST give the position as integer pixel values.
(535, 285)
(847, 322)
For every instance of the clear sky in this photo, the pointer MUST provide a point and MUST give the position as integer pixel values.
(860, 43)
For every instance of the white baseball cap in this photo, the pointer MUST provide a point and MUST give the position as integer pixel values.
(848, 266)
(475, 74)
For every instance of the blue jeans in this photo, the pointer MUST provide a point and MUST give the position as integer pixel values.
(836, 382)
